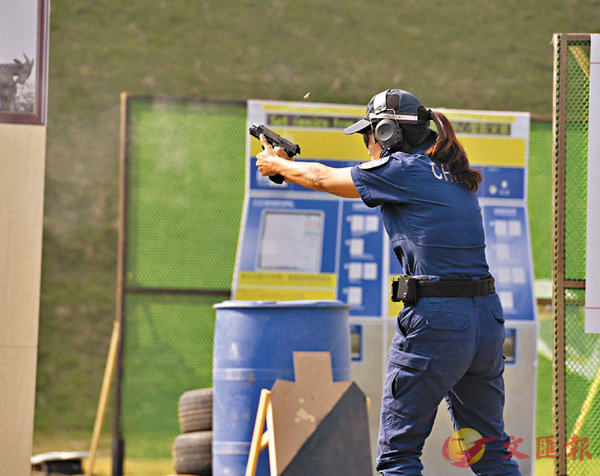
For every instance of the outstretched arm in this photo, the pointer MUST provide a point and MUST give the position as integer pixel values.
(312, 175)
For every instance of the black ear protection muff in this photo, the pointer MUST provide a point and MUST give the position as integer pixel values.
(388, 132)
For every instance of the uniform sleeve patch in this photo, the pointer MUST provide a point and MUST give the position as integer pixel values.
(373, 164)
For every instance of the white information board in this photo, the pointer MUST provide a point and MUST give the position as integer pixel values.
(291, 241)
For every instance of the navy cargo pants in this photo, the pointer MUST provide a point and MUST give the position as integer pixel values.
(448, 348)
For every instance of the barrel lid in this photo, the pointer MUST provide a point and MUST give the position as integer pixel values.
(280, 304)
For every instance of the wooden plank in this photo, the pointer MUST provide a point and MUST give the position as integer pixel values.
(17, 399)
(22, 169)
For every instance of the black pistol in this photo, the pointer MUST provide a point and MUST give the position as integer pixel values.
(275, 140)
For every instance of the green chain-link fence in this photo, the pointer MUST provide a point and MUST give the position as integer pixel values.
(576, 354)
(183, 173)
(539, 195)
(539, 201)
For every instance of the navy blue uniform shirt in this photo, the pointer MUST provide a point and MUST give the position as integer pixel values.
(434, 223)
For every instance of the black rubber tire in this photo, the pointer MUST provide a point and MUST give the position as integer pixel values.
(195, 410)
(192, 453)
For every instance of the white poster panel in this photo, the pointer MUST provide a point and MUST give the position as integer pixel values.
(592, 286)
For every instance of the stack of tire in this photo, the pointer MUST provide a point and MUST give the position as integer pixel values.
(192, 449)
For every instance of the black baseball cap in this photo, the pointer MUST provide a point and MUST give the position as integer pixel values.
(396, 104)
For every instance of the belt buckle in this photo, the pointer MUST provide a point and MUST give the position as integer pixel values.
(404, 289)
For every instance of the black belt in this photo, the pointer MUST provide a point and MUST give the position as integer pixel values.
(408, 289)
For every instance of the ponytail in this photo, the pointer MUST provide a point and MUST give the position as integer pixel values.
(448, 150)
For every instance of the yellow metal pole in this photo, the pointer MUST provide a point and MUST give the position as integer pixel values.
(587, 404)
(108, 374)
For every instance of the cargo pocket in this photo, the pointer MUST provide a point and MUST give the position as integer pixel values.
(447, 320)
(404, 385)
(406, 399)
(402, 358)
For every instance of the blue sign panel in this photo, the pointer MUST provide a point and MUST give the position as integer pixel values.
(502, 182)
(509, 256)
(361, 259)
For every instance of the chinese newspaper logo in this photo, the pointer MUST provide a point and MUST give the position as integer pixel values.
(464, 447)
(577, 448)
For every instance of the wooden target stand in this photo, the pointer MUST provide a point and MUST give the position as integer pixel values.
(313, 425)
(261, 440)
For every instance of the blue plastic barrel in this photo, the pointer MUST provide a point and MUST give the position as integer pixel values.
(253, 346)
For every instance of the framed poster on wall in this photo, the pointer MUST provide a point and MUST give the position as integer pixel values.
(23, 60)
